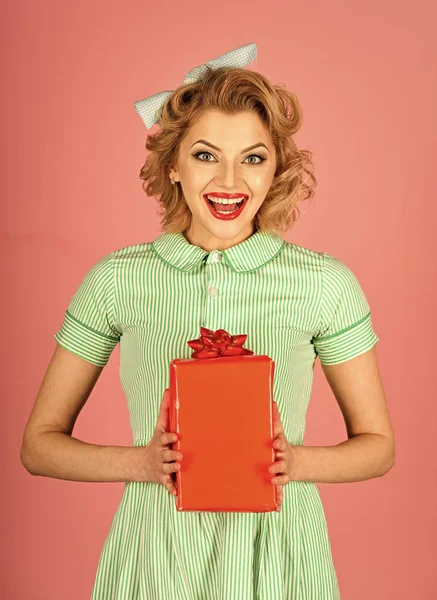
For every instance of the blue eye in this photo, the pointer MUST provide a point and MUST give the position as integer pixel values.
(262, 159)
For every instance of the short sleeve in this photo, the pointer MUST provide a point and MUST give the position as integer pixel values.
(345, 324)
(88, 329)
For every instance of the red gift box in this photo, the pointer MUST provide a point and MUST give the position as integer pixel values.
(221, 408)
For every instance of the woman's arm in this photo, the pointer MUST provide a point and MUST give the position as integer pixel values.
(48, 449)
(369, 450)
(362, 457)
(57, 454)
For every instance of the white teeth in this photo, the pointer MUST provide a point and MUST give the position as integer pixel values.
(226, 212)
(226, 200)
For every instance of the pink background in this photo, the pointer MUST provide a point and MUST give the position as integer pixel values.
(72, 148)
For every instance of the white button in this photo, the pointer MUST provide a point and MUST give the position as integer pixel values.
(213, 291)
(216, 257)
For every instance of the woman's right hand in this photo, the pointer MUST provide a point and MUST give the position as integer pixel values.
(158, 456)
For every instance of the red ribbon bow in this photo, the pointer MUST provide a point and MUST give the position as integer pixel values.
(212, 344)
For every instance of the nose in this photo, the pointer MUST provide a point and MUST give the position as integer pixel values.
(227, 176)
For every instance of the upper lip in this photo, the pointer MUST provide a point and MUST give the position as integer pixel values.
(223, 195)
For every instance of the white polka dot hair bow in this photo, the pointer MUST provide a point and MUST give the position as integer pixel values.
(240, 57)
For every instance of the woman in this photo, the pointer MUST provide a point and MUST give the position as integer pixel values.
(229, 177)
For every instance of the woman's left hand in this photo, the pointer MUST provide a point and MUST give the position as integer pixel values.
(282, 468)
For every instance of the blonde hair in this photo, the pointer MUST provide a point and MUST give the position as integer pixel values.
(231, 90)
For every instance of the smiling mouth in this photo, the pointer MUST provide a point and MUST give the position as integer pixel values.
(221, 207)
(226, 212)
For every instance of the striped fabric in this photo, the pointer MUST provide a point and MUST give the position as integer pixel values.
(294, 304)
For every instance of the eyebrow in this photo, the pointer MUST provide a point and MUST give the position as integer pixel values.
(217, 148)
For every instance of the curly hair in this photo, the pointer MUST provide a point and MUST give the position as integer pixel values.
(231, 90)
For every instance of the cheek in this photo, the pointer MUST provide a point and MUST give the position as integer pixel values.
(192, 184)
(259, 193)
(261, 182)
(195, 181)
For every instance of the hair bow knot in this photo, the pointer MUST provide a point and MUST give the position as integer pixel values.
(148, 108)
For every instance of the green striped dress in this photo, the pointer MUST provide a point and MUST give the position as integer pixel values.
(294, 304)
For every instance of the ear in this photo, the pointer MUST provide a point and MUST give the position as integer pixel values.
(173, 173)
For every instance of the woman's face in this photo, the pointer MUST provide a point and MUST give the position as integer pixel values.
(222, 163)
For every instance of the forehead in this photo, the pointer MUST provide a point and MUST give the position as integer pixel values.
(218, 127)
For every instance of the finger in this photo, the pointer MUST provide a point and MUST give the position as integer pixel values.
(169, 455)
(169, 437)
(278, 467)
(169, 484)
(170, 467)
(280, 443)
(280, 480)
(162, 422)
(280, 456)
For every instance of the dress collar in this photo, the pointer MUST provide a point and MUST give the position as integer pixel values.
(252, 253)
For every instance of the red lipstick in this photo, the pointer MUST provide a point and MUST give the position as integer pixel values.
(224, 195)
(230, 215)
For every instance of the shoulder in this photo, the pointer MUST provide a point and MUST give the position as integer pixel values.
(302, 251)
(132, 252)
(300, 255)
(325, 264)
(327, 276)
(110, 269)
(338, 277)
(105, 265)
